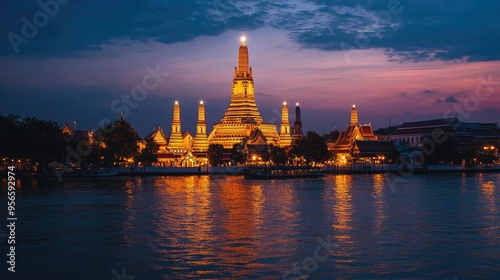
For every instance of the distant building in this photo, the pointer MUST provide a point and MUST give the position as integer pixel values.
(77, 135)
(465, 135)
(374, 149)
(343, 147)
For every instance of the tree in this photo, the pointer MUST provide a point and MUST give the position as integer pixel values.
(215, 153)
(312, 148)
(30, 138)
(278, 155)
(238, 154)
(119, 139)
(332, 137)
(148, 154)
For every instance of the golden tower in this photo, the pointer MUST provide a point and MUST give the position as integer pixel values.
(175, 142)
(201, 142)
(242, 116)
(297, 125)
(354, 115)
(285, 136)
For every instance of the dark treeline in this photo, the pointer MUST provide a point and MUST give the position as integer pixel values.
(30, 138)
(34, 141)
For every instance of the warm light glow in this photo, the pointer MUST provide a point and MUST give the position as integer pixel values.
(284, 103)
(201, 102)
(353, 105)
(254, 158)
(176, 103)
(297, 104)
(243, 39)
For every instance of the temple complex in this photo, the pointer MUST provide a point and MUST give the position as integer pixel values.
(241, 123)
(242, 116)
(346, 142)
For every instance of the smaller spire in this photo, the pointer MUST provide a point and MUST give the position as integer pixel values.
(354, 115)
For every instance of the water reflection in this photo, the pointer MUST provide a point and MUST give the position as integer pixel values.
(342, 209)
(378, 195)
(342, 221)
(202, 227)
(488, 193)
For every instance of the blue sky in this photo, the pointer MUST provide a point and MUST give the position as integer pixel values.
(398, 60)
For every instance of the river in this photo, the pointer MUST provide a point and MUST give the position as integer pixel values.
(335, 227)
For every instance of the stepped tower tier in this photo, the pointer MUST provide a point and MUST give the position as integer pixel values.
(175, 141)
(242, 106)
(285, 134)
(201, 141)
(354, 115)
(297, 125)
(242, 116)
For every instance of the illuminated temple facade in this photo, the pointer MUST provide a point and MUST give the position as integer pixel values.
(241, 123)
(346, 142)
(242, 116)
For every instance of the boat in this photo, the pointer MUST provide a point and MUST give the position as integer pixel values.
(281, 172)
(81, 172)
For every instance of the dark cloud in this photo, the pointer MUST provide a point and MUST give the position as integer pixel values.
(449, 99)
(428, 91)
(263, 94)
(410, 31)
(403, 94)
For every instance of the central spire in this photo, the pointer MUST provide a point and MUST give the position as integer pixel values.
(242, 118)
(242, 106)
(243, 70)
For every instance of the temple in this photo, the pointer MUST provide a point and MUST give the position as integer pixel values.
(241, 124)
(346, 141)
(242, 117)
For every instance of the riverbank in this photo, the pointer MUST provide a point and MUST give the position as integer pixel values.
(328, 169)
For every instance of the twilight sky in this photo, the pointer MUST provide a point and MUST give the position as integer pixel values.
(396, 60)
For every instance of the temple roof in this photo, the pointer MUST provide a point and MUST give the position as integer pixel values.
(373, 148)
(256, 137)
(158, 135)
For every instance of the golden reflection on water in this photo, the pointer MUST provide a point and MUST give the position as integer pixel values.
(187, 211)
(343, 209)
(240, 209)
(378, 195)
(488, 192)
(217, 218)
